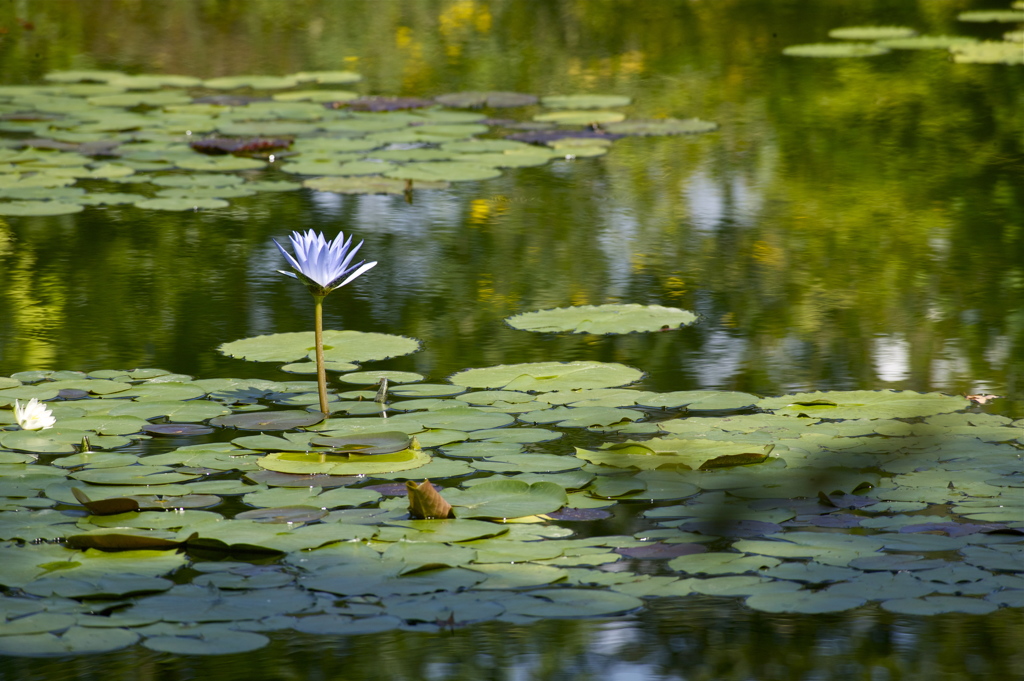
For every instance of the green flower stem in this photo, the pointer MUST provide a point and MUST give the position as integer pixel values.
(321, 372)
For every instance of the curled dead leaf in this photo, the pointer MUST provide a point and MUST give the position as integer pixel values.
(425, 503)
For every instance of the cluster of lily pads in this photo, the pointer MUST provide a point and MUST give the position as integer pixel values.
(171, 142)
(870, 41)
(198, 515)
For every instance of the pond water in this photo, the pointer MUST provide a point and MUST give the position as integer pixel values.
(852, 224)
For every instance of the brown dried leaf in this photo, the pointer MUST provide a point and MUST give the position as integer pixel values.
(425, 503)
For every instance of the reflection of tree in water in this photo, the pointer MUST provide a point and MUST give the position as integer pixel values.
(693, 639)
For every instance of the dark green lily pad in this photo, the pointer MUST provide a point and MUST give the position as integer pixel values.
(210, 642)
(268, 420)
(73, 641)
(284, 515)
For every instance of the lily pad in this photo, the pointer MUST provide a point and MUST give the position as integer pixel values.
(603, 319)
(366, 185)
(443, 171)
(988, 52)
(584, 101)
(1003, 16)
(864, 404)
(181, 204)
(548, 376)
(339, 346)
(344, 464)
(489, 99)
(871, 32)
(806, 602)
(73, 641)
(927, 42)
(268, 420)
(676, 453)
(38, 208)
(834, 50)
(580, 117)
(507, 498)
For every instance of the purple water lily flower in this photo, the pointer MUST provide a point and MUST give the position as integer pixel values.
(323, 265)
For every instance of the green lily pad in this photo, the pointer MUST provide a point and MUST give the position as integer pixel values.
(327, 77)
(369, 377)
(443, 171)
(507, 498)
(366, 444)
(366, 185)
(1003, 16)
(806, 602)
(343, 464)
(871, 32)
(927, 42)
(988, 52)
(134, 475)
(181, 204)
(339, 346)
(73, 641)
(580, 117)
(38, 208)
(268, 420)
(572, 603)
(678, 453)
(603, 319)
(699, 400)
(548, 376)
(834, 50)
(210, 642)
(486, 99)
(584, 101)
(864, 404)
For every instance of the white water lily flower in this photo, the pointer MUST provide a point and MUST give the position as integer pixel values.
(323, 265)
(34, 415)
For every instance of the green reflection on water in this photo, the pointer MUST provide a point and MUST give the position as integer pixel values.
(853, 224)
